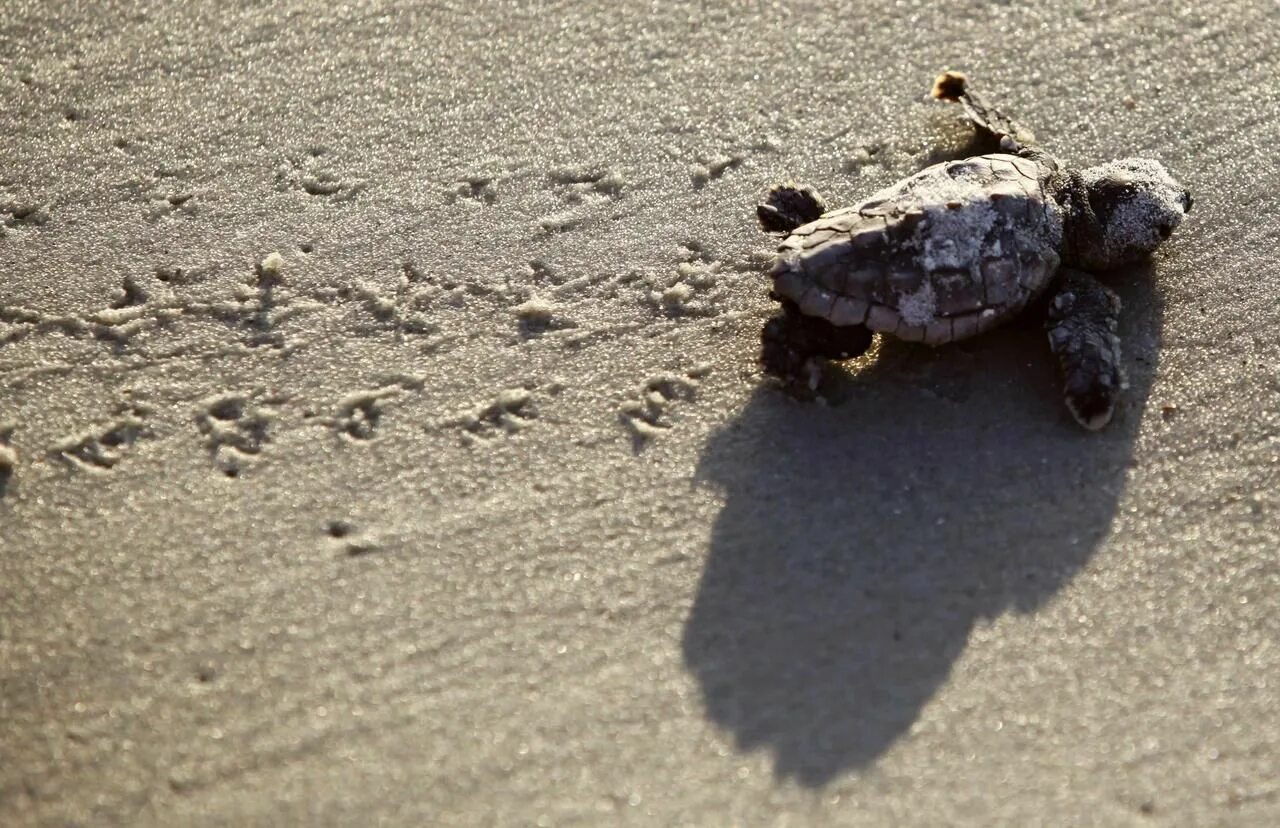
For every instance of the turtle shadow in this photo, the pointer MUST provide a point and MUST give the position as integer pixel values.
(860, 542)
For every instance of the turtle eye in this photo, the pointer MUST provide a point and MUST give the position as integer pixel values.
(1165, 230)
(1187, 201)
(1106, 196)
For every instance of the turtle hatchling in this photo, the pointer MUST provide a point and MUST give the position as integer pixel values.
(963, 246)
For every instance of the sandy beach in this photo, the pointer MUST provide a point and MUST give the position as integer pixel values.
(382, 438)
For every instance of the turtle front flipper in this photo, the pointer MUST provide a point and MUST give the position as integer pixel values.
(787, 206)
(793, 346)
(1082, 334)
(1008, 133)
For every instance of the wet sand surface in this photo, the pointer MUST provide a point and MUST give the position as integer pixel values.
(381, 438)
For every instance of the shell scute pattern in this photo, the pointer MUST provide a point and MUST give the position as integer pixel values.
(939, 332)
(832, 268)
(817, 301)
(956, 292)
(841, 221)
(848, 311)
(881, 318)
(943, 255)
(869, 241)
(1000, 281)
(905, 281)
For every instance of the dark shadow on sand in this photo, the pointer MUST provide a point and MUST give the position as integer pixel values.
(860, 542)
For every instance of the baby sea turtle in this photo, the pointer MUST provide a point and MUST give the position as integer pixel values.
(962, 246)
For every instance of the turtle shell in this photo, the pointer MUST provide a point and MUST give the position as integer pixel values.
(944, 255)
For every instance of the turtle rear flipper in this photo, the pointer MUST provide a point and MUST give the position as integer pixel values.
(794, 346)
(1008, 133)
(787, 206)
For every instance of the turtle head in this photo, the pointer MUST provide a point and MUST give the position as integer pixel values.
(1134, 204)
